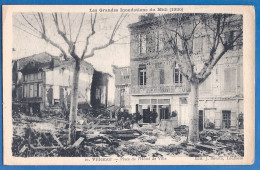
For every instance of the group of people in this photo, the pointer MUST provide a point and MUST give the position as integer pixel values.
(124, 123)
(126, 120)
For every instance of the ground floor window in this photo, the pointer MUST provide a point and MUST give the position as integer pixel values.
(226, 119)
(200, 120)
(241, 121)
(164, 112)
(154, 110)
(209, 120)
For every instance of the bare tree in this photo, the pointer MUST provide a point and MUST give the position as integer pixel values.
(223, 32)
(35, 25)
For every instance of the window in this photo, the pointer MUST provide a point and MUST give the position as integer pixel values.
(177, 75)
(35, 88)
(31, 77)
(35, 76)
(122, 97)
(231, 36)
(209, 118)
(159, 40)
(142, 44)
(206, 85)
(142, 75)
(230, 80)
(241, 121)
(161, 76)
(26, 77)
(205, 44)
(126, 77)
(25, 91)
(150, 42)
(31, 90)
(98, 94)
(39, 75)
(197, 45)
(226, 120)
(39, 90)
(164, 112)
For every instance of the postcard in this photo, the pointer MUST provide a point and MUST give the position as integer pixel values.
(128, 85)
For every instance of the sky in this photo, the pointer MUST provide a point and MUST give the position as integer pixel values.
(26, 44)
(26, 41)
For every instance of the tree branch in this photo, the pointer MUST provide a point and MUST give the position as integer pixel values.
(30, 23)
(110, 41)
(93, 22)
(64, 28)
(79, 28)
(63, 35)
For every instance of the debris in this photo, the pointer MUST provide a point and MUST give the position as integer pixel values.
(125, 134)
(78, 142)
(56, 139)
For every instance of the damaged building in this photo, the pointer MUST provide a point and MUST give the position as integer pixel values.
(122, 85)
(43, 82)
(158, 86)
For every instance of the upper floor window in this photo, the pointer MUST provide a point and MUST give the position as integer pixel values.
(161, 76)
(231, 37)
(201, 44)
(142, 75)
(33, 76)
(159, 40)
(126, 77)
(142, 43)
(25, 77)
(206, 86)
(230, 80)
(177, 75)
(39, 75)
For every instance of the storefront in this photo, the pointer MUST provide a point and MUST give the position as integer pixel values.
(154, 110)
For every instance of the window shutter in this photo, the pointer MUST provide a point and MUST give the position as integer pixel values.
(143, 43)
(161, 76)
(230, 80)
(233, 119)
(217, 120)
(161, 40)
(35, 90)
(24, 91)
(40, 90)
(31, 90)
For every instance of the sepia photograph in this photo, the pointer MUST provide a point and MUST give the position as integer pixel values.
(122, 83)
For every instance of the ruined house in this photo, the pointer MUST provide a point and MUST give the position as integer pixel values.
(158, 86)
(122, 85)
(43, 82)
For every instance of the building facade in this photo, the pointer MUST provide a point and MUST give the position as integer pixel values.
(122, 85)
(43, 82)
(158, 86)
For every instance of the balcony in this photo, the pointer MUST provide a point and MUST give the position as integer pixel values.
(159, 89)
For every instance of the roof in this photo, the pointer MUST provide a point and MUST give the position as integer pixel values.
(151, 20)
(43, 57)
(44, 60)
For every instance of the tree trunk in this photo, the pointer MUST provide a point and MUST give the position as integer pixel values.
(193, 112)
(74, 103)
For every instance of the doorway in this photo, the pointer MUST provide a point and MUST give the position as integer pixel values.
(226, 119)
(146, 116)
(200, 120)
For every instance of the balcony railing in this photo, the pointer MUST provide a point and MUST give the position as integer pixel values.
(159, 89)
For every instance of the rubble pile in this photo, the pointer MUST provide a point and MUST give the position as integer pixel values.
(137, 150)
(102, 136)
(222, 142)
